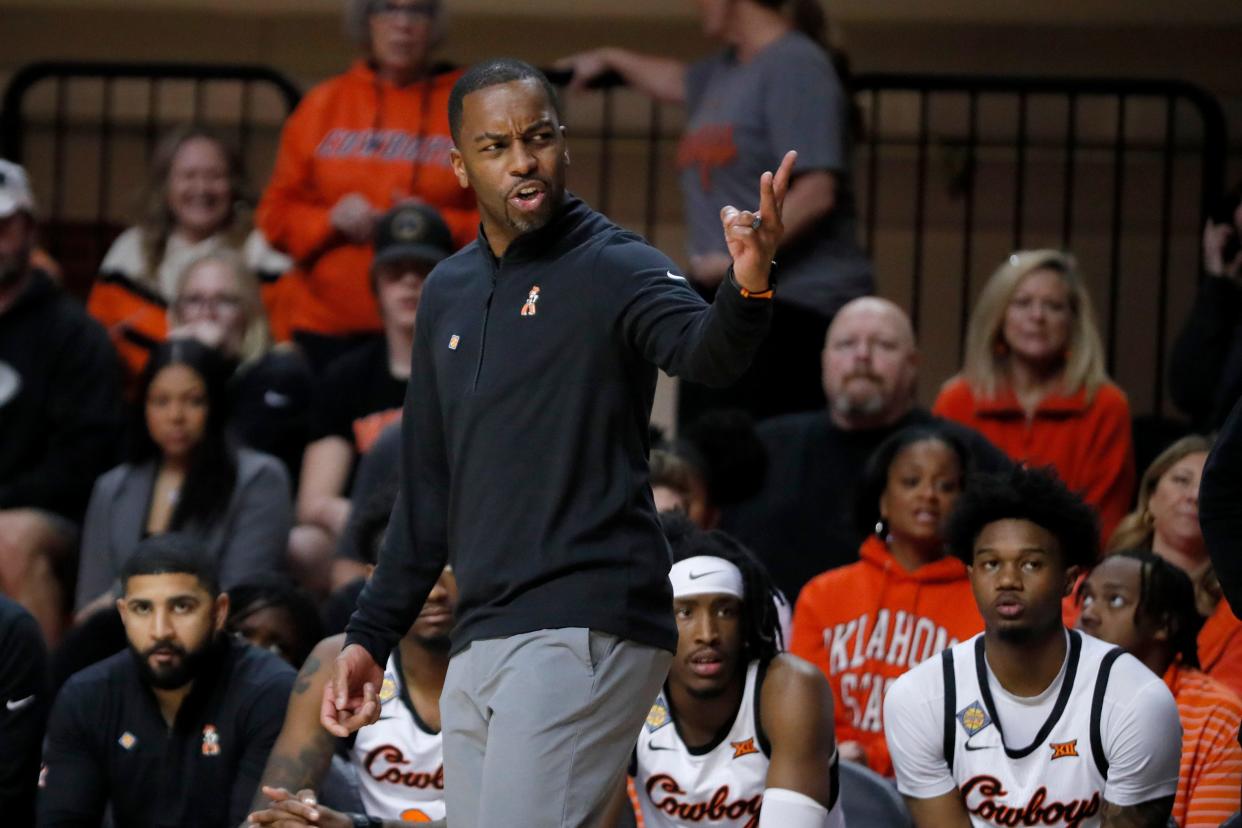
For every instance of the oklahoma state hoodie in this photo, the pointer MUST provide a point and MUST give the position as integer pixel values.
(355, 133)
(867, 623)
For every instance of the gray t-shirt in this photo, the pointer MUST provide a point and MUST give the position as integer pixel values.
(743, 117)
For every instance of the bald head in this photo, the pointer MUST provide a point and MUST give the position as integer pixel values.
(870, 364)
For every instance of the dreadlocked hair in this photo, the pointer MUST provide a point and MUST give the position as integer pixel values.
(761, 628)
(1167, 599)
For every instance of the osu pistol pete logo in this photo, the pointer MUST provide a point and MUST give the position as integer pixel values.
(532, 299)
(211, 741)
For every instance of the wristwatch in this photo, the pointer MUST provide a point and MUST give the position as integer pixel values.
(364, 821)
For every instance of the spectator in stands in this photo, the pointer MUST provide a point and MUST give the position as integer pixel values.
(358, 145)
(1205, 369)
(870, 367)
(176, 730)
(906, 598)
(1144, 603)
(275, 615)
(1034, 381)
(776, 85)
(60, 415)
(1166, 520)
(193, 205)
(1167, 523)
(676, 485)
(363, 391)
(184, 475)
(375, 482)
(217, 302)
(24, 689)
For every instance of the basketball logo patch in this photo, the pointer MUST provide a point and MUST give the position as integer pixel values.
(658, 716)
(211, 741)
(532, 299)
(1060, 750)
(743, 748)
(973, 718)
(388, 690)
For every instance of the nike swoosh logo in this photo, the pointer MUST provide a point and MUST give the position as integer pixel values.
(657, 747)
(694, 576)
(14, 705)
(969, 746)
(674, 276)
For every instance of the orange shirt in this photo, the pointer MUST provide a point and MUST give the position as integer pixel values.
(1220, 647)
(1211, 770)
(135, 317)
(1088, 444)
(866, 624)
(355, 133)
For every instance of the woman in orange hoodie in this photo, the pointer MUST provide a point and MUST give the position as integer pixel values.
(358, 144)
(905, 599)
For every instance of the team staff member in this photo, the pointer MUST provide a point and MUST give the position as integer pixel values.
(1028, 722)
(357, 145)
(525, 466)
(741, 734)
(176, 730)
(24, 689)
(1140, 601)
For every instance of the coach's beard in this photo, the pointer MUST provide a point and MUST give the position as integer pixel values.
(178, 674)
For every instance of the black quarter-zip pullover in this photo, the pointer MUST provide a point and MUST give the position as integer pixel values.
(524, 437)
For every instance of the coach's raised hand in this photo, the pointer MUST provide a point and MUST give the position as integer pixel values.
(753, 237)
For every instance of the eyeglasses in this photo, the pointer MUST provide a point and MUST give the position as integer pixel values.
(193, 303)
(392, 10)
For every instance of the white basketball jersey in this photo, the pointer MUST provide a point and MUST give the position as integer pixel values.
(1058, 779)
(719, 784)
(399, 758)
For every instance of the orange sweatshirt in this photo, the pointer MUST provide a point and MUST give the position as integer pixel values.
(1220, 647)
(1211, 769)
(867, 623)
(355, 133)
(1088, 444)
(135, 317)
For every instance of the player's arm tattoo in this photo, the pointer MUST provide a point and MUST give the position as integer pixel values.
(306, 769)
(1152, 814)
(303, 681)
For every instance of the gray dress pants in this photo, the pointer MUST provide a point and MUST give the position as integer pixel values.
(538, 727)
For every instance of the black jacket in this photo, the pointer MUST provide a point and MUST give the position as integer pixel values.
(525, 434)
(1220, 508)
(24, 692)
(108, 743)
(62, 423)
(1205, 367)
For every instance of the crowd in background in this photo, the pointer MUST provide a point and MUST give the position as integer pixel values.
(236, 374)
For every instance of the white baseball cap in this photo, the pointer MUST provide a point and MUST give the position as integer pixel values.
(15, 192)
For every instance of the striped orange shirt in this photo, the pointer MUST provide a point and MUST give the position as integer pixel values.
(1210, 779)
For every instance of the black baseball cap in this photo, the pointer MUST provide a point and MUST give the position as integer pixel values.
(412, 231)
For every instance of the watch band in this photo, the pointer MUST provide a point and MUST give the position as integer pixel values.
(751, 294)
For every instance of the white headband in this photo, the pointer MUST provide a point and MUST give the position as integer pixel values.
(706, 575)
